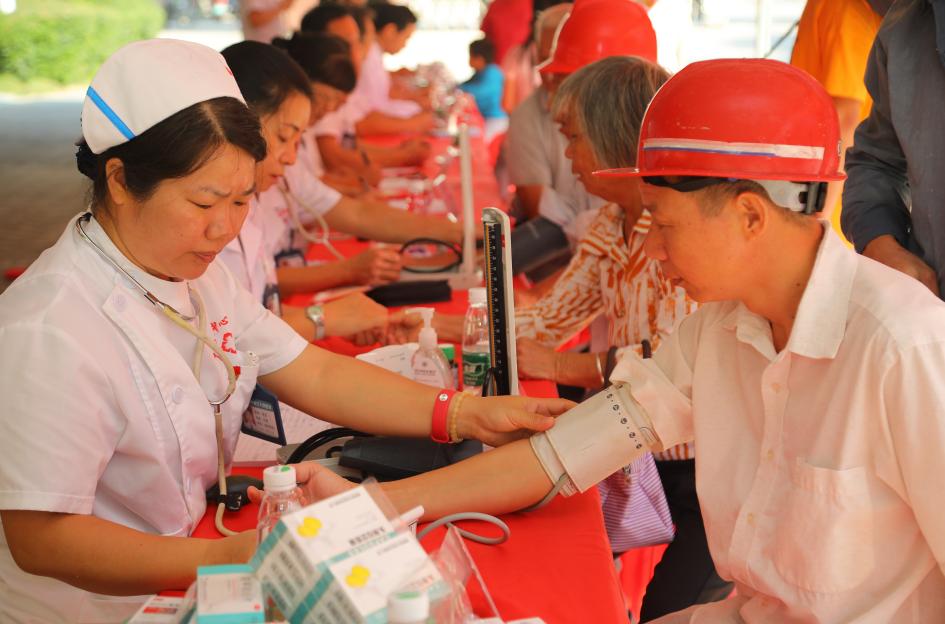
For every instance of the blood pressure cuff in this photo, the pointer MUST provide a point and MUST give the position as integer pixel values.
(595, 439)
(410, 293)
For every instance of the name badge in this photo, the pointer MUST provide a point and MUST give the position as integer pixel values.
(271, 299)
(263, 418)
(292, 258)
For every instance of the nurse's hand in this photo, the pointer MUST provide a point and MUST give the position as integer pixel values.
(316, 482)
(357, 317)
(499, 420)
(373, 267)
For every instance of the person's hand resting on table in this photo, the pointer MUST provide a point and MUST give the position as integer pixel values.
(356, 317)
(414, 151)
(376, 266)
(535, 360)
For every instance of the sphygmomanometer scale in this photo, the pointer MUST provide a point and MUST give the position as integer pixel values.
(467, 276)
(502, 378)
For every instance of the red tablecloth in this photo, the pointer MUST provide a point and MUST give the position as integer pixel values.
(557, 564)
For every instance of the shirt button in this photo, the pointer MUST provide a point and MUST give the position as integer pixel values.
(177, 395)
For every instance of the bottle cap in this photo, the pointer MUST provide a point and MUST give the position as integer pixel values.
(279, 478)
(477, 295)
(408, 607)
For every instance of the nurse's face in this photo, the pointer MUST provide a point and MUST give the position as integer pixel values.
(178, 231)
(282, 131)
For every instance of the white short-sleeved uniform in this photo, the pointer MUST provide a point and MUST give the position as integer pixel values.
(100, 412)
(534, 150)
(820, 469)
(301, 193)
(374, 82)
(252, 266)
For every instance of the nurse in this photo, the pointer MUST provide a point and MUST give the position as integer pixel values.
(118, 338)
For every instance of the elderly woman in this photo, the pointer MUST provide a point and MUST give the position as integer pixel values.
(610, 274)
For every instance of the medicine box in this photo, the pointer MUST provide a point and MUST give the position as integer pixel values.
(229, 594)
(293, 558)
(357, 585)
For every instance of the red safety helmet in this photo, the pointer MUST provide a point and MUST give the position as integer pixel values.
(744, 119)
(596, 29)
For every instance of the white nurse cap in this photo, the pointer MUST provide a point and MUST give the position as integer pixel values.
(146, 82)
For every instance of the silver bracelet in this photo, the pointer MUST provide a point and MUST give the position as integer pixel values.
(316, 314)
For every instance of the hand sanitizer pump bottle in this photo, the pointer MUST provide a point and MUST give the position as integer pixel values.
(428, 363)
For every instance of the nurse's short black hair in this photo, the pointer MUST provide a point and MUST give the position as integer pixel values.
(265, 75)
(323, 57)
(317, 19)
(396, 14)
(174, 147)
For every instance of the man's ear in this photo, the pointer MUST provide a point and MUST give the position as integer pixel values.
(115, 177)
(754, 213)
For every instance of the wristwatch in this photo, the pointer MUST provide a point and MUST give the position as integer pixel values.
(316, 314)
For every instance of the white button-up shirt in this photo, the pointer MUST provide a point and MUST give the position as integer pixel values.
(100, 412)
(820, 467)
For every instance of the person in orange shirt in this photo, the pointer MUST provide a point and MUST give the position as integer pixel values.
(834, 38)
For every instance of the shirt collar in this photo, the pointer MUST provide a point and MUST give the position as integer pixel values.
(174, 294)
(821, 318)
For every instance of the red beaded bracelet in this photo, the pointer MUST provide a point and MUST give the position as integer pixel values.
(439, 430)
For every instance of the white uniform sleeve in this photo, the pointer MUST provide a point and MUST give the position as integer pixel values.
(312, 196)
(57, 433)
(332, 124)
(914, 398)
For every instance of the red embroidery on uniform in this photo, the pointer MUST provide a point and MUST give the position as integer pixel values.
(214, 327)
(225, 344)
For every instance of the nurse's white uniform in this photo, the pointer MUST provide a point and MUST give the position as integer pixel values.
(100, 412)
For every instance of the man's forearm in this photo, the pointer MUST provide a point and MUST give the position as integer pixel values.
(499, 481)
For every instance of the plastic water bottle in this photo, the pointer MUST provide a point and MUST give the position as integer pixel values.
(281, 496)
(476, 342)
(408, 607)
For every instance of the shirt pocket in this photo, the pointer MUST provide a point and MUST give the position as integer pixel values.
(825, 542)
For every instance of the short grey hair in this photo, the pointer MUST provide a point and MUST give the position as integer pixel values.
(607, 100)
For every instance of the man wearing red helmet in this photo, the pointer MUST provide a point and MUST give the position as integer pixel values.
(810, 378)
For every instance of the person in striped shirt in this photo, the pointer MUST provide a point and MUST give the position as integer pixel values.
(610, 275)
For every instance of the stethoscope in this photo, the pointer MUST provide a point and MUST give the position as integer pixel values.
(291, 199)
(184, 321)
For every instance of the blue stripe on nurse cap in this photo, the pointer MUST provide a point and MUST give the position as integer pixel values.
(109, 113)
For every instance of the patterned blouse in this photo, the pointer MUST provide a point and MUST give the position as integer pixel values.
(611, 276)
